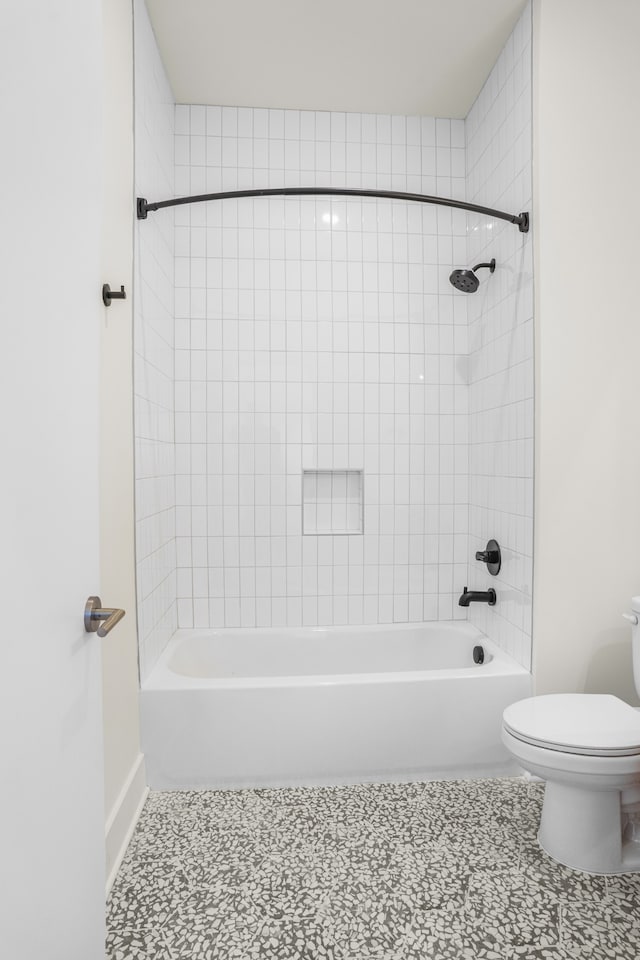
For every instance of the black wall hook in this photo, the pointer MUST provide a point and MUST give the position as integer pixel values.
(108, 295)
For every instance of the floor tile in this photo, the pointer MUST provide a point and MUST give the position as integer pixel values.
(623, 891)
(514, 909)
(563, 882)
(591, 928)
(556, 952)
(447, 870)
(137, 945)
(146, 894)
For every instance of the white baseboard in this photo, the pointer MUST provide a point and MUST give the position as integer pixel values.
(123, 817)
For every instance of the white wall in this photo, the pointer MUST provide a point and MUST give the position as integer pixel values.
(124, 770)
(153, 350)
(498, 132)
(587, 209)
(318, 333)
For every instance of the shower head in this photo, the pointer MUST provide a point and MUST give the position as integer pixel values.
(466, 280)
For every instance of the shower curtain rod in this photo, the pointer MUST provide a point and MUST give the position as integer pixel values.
(522, 219)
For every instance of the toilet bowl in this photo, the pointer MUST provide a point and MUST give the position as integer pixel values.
(587, 749)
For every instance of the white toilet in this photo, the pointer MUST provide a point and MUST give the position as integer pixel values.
(587, 748)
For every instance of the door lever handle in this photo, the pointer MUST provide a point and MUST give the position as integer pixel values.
(99, 618)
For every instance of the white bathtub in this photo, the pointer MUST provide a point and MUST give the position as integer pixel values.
(269, 707)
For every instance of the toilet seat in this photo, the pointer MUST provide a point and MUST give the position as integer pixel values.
(597, 725)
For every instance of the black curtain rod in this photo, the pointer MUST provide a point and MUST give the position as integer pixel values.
(522, 219)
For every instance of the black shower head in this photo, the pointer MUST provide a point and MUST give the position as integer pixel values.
(466, 280)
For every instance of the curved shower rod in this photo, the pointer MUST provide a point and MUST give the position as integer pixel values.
(522, 219)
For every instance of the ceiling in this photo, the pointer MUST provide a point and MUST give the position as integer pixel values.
(428, 57)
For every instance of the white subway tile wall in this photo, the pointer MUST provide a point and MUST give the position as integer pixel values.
(318, 334)
(277, 337)
(154, 352)
(501, 349)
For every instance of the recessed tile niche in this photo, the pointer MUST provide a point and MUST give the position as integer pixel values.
(332, 501)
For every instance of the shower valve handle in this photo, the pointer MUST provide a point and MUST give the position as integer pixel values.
(488, 556)
(491, 556)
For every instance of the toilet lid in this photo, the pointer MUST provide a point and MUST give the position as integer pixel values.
(586, 723)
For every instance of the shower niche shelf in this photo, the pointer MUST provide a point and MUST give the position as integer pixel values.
(332, 502)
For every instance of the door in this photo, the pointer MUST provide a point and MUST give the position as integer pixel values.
(51, 797)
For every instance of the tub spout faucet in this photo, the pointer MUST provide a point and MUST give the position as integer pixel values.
(477, 596)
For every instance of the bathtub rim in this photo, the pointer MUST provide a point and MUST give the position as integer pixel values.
(163, 678)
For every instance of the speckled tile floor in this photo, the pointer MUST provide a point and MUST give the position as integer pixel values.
(417, 871)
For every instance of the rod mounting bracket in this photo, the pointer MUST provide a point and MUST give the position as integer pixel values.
(141, 208)
(523, 223)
